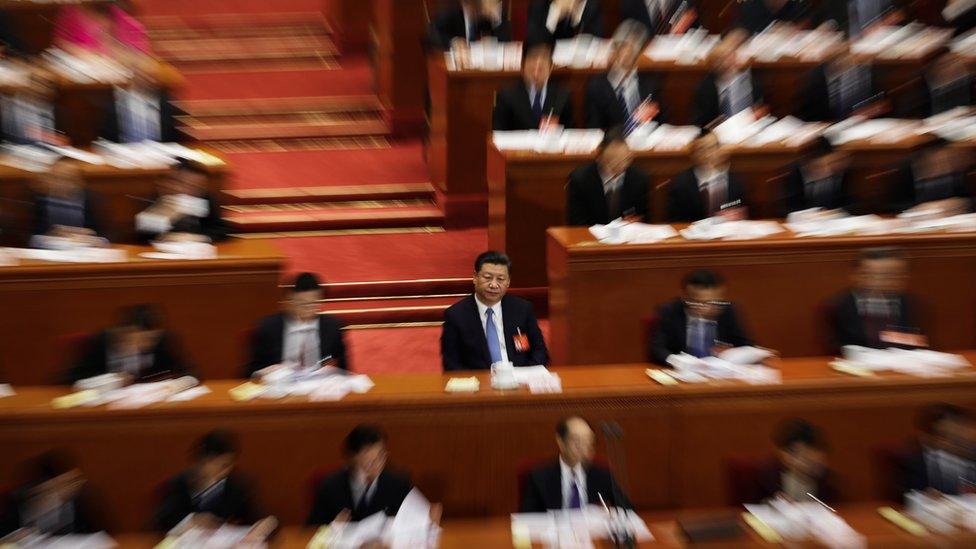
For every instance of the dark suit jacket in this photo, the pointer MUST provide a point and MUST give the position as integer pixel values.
(16, 136)
(770, 483)
(211, 226)
(685, 202)
(672, 329)
(590, 23)
(814, 99)
(755, 15)
(912, 473)
(932, 103)
(543, 489)
(87, 519)
(837, 11)
(849, 327)
(234, 504)
(904, 196)
(637, 10)
(267, 344)
(586, 204)
(463, 343)
(603, 107)
(795, 197)
(513, 108)
(166, 360)
(707, 107)
(42, 223)
(450, 25)
(334, 494)
(168, 130)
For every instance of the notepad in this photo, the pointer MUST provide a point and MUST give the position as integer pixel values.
(462, 385)
(660, 376)
(845, 367)
(903, 522)
(765, 532)
(79, 398)
(246, 391)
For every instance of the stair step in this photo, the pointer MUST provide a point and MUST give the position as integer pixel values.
(286, 195)
(402, 288)
(203, 108)
(312, 29)
(353, 124)
(335, 218)
(187, 20)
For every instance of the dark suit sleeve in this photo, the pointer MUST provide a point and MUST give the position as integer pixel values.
(813, 98)
(439, 35)
(577, 214)
(793, 197)
(566, 117)
(261, 344)
(214, 226)
(93, 220)
(332, 334)
(660, 347)
(451, 358)
(737, 334)
(173, 508)
(532, 500)
(168, 356)
(678, 208)
(903, 190)
(845, 323)
(592, 22)
(642, 199)
(594, 107)
(704, 109)
(502, 115)
(536, 31)
(540, 353)
(326, 506)
(92, 359)
(40, 224)
(110, 119)
(168, 115)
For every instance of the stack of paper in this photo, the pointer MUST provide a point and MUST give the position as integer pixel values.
(66, 251)
(820, 223)
(717, 228)
(487, 55)
(326, 383)
(917, 362)
(227, 536)
(688, 48)
(181, 251)
(553, 141)
(741, 127)
(738, 363)
(812, 521)
(14, 75)
(101, 540)
(663, 137)
(28, 157)
(911, 41)
(133, 155)
(411, 528)
(965, 44)
(782, 41)
(582, 52)
(879, 130)
(578, 528)
(623, 232)
(538, 379)
(86, 70)
(940, 513)
(788, 131)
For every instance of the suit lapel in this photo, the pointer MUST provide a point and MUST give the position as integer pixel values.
(599, 199)
(554, 487)
(525, 104)
(475, 318)
(509, 325)
(682, 328)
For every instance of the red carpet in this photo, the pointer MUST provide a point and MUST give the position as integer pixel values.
(401, 163)
(353, 78)
(385, 256)
(196, 7)
(400, 350)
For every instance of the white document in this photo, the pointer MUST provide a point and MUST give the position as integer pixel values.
(745, 355)
(624, 232)
(411, 527)
(6, 390)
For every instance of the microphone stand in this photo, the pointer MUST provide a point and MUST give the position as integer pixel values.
(621, 536)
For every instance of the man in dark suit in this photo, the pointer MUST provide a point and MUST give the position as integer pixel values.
(756, 15)
(534, 101)
(469, 21)
(56, 500)
(840, 88)
(800, 469)
(299, 336)
(947, 84)
(31, 115)
(137, 346)
(857, 17)
(877, 312)
(364, 487)
(143, 111)
(210, 492)
(609, 188)
(490, 326)
(552, 20)
(621, 96)
(699, 322)
(572, 481)
(707, 189)
(934, 179)
(184, 209)
(64, 208)
(728, 88)
(942, 458)
(661, 16)
(821, 180)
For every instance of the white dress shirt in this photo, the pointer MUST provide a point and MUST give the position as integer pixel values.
(138, 116)
(359, 486)
(628, 83)
(552, 20)
(299, 333)
(566, 474)
(22, 114)
(716, 183)
(499, 325)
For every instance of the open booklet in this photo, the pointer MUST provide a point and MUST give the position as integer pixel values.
(411, 528)
(578, 527)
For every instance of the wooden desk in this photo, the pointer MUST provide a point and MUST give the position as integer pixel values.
(598, 294)
(209, 305)
(121, 193)
(465, 450)
(497, 532)
(462, 102)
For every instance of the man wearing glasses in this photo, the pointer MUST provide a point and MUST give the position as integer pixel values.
(490, 327)
(699, 323)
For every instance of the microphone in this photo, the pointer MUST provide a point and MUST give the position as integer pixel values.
(620, 535)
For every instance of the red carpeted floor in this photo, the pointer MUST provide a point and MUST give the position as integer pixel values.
(353, 77)
(196, 7)
(366, 258)
(402, 162)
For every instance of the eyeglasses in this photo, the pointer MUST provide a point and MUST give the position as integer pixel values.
(694, 303)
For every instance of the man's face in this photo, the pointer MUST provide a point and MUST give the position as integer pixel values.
(804, 459)
(578, 446)
(625, 56)
(537, 67)
(616, 158)
(707, 152)
(371, 460)
(216, 468)
(304, 306)
(491, 283)
(882, 275)
(704, 302)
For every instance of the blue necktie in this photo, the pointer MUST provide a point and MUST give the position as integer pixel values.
(701, 338)
(574, 495)
(491, 334)
(537, 106)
